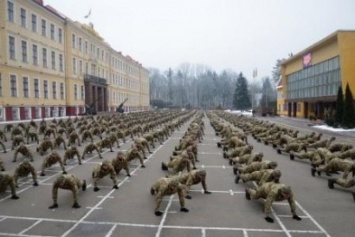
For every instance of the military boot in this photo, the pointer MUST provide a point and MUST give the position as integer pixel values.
(313, 171)
(237, 179)
(247, 194)
(83, 186)
(331, 183)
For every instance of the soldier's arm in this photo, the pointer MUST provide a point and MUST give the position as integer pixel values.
(292, 204)
(34, 174)
(15, 177)
(55, 192)
(113, 176)
(268, 202)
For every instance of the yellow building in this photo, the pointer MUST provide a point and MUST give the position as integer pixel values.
(311, 78)
(51, 66)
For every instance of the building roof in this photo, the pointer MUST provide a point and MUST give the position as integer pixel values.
(316, 45)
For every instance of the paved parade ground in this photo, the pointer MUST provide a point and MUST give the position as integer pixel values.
(129, 211)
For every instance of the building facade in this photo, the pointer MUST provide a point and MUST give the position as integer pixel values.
(310, 79)
(51, 66)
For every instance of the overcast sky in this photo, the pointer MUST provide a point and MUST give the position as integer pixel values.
(224, 34)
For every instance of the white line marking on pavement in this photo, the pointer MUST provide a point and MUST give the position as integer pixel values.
(313, 220)
(231, 192)
(30, 227)
(245, 233)
(111, 231)
(164, 216)
(203, 232)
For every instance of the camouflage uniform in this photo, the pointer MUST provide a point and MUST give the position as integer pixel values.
(86, 134)
(17, 140)
(48, 132)
(322, 144)
(3, 135)
(3, 146)
(101, 171)
(192, 178)
(16, 131)
(58, 141)
(177, 165)
(257, 166)
(248, 159)
(68, 182)
(348, 154)
(120, 162)
(104, 143)
(24, 151)
(89, 149)
(44, 146)
(2, 167)
(339, 147)
(345, 183)
(293, 146)
(334, 165)
(33, 135)
(166, 187)
(7, 180)
(70, 154)
(273, 192)
(73, 136)
(50, 160)
(23, 170)
(141, 143)
(261, 176)
(132, 154)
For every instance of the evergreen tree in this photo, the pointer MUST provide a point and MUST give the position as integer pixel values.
(339, 110)
(349, 114)
(241, 100)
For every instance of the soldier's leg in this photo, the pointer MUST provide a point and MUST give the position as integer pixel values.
(62, 166)
(3, 146)
(55, 197)
(75, 196)
(98, 152)
(12, 187)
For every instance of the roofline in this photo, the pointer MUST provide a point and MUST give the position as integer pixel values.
(315, 45)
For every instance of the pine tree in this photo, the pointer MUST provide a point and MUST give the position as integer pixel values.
(339, 110)
(241, 100)
(349, 114)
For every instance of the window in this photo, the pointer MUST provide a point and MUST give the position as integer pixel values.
(61, 67)
(12, 51)
(75, 92)
(73, 41)
(60, 35)
(86, 47)
(38, 112)
(82, 92)
(10, 11)
(34, 22)
(27, 113)
(52, 32)
(25, 87)
(35, 54)
(81, 67)
(86, 68)
(13, 85)
(54, 88)
(80, 44)
(36, 87)
(23, 17)
(44, 27)
(53, 60)
(74, 66)
(62, 91)
(24, 51)
(0, 85)
(45, 89)
(44, 57)
(15, 113)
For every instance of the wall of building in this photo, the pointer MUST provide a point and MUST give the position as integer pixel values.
(62, 67)
(347, 59)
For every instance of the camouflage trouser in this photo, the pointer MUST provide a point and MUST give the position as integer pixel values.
(345, 183)
(7, 181)
(75, 192)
